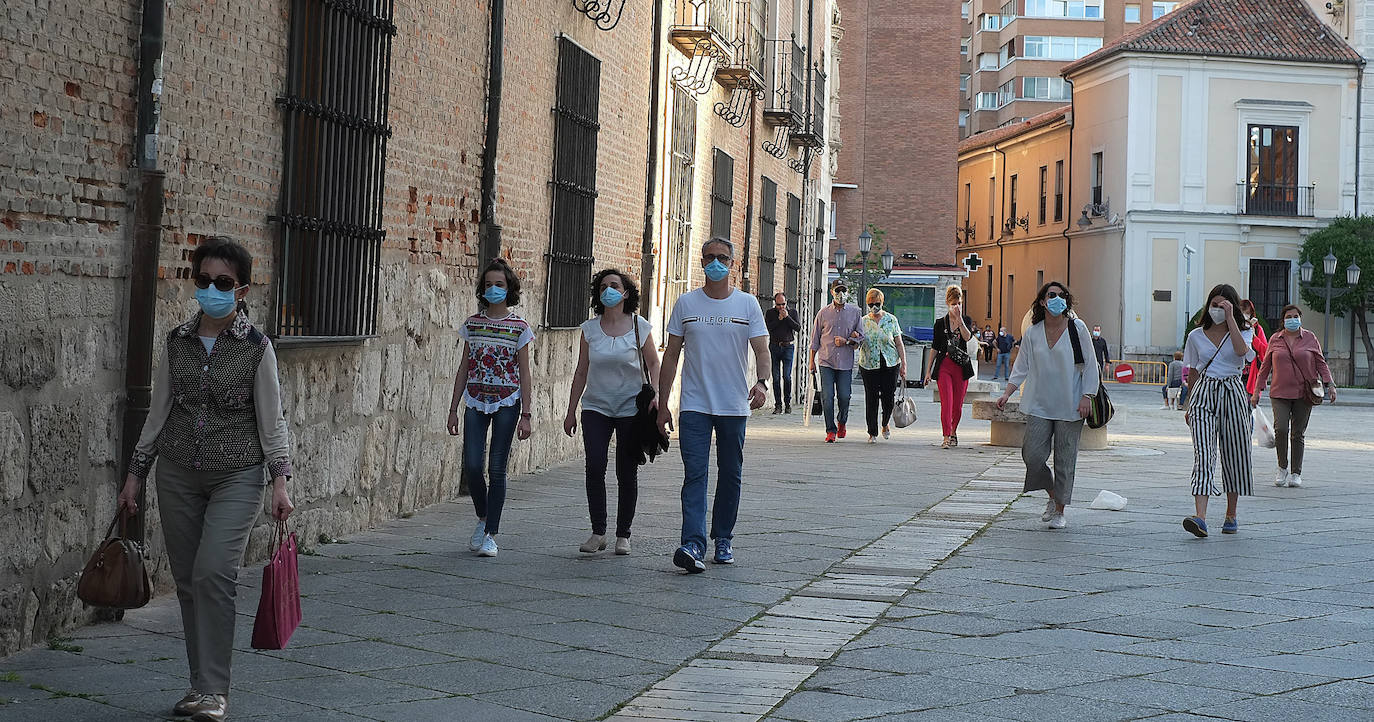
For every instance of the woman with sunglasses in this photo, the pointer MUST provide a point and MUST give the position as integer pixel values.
(214, 425)
(1218, 408)
(1057, 393)
(882, 362)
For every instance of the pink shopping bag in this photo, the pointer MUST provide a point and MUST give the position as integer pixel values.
(279, 609)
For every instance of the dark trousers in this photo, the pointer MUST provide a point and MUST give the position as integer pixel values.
(489, 492)
(782, 357)
(879, 385)
(596, 441)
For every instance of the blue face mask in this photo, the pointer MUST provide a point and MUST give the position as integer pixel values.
(611, 297)
(717, 271)
(1057, 305)
(1292, 324)
(494, 294)
(216, 303)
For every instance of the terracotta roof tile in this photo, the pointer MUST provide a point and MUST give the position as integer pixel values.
(997, 135)
(1261, 29)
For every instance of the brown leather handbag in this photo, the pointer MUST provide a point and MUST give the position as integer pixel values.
(115, 576)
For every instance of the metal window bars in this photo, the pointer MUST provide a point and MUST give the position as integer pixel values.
(792, 258)
(572, 224)
(681, 178)
(335, 113)
(768, 235)
(722, 193)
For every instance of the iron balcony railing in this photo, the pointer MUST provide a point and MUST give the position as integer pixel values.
(1274, 199)
(784, 78)
(703, 15)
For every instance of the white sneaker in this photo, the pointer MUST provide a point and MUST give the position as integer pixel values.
(1281, 477)
(478, 535)
(1295, 480)
(1058, 522)
(1050, 510)
(488, 548)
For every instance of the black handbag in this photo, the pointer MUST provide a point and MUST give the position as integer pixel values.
(817, 409)
(650, 439)
(1101, 409)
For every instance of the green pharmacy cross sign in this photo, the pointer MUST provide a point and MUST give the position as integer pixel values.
(973, 262)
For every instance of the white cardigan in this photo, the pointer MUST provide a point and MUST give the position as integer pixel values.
(1055, 384)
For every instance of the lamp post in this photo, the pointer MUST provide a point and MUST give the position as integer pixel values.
(1352, 279)
(865, 247)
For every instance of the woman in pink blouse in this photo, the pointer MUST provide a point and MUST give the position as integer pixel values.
(1295, 361)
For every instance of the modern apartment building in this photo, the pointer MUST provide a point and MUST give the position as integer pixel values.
(1013, 51)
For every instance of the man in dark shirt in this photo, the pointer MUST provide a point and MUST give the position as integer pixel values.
(1100, 348)
(1004, 343)
(782, 346)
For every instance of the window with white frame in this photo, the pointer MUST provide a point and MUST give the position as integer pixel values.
(988, 61)
(1007, 53)
(964, 9)
(985, 101)
(989, 21)
(963, 82)
(1006, 93)
(1049, 47)
(1008, 12)
(963, 119)
(1132, 13)
(1095, 177)
(1084, 9)
(1034, 88)
(963, 46)
(1159, 10)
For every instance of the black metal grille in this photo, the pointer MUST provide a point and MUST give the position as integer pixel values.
(1269, 289)
(722, 193)
(768, 237)
(797, 84)
(681, 177)
(336, 129)
(793, 258)
(818, 99)
(574, 185)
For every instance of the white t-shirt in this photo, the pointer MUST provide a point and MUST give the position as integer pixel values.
(715, 350)
(1199, 349)
(614, 377)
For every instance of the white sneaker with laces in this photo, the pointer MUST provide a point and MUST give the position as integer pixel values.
(488, 548)
(1295, 480)
(1050, 510)
(478, 535)
(1058, 522)
(1281, 477)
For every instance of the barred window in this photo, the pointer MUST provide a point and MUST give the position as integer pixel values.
(722, 193)
(334, 146)
(793, 258)
(768, 237)
(681, 178)
(575, 111)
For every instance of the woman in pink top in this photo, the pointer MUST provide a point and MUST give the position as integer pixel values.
(1295, 360)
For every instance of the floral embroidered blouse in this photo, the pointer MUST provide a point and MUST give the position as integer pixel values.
(493, 373)
(879, 345)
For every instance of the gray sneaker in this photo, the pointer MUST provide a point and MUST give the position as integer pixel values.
(488, 548)
(478, 535)
(1058, 522)
(1050, 510)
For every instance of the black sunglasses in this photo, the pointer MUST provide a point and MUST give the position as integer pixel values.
(223, 283)
(722, 257)
(1053, 294)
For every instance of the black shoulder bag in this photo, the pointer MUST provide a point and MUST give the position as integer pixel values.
(1101, 410)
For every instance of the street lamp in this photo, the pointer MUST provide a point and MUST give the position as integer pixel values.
(1352, 279)
(841, 258)
(865, 247)
(889, 260)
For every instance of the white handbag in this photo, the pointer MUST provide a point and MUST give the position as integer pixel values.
(904, 413)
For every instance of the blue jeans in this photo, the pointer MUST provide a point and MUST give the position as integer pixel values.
(782, 357)
(694, 440)
(488, 493)
(835, 383)
(1003, 367)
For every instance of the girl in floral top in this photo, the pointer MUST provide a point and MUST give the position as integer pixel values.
(494, 391)
(882, 362)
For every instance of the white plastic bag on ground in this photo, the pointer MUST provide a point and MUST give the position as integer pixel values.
(1109, 501)
(1264, 429)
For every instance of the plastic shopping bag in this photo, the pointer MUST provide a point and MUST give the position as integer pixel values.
(1109, 501)
(1264, 429)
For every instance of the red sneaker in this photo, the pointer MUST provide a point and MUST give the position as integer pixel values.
(830, 437)
(842, 431)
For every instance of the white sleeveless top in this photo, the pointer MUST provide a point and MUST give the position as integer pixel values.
(613, 375)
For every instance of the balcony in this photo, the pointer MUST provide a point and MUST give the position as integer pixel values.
(1274, 199)
(812, 131)
(702, 27)
(744, 63)
(784, 67)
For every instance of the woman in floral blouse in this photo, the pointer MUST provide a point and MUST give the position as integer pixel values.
(882, 361)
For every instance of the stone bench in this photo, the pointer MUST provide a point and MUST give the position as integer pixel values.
(978, 390)
(1009, 426)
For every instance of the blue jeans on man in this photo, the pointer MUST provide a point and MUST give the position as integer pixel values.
(835, 383)
(1003, 368)
(782, 357)
(694, 441)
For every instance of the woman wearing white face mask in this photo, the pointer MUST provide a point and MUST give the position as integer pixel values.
(1296, 364)
(617, 347)
(1218, 409)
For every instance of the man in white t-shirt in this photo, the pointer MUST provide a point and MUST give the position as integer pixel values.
(717, 325)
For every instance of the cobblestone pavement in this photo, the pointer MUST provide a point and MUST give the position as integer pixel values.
(893, 582)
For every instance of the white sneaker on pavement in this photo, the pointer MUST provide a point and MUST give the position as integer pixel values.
(1281, 477)
(1295, 480)
(488, 548)
(1050, 510)
(478, 535)
(1058, 522)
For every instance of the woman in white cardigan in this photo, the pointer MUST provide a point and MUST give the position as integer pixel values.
(1057, 398)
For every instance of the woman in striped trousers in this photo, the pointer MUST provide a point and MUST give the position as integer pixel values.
(1219, 408)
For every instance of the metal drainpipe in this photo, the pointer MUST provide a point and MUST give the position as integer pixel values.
(1359, 100)
(1001, 252)
(489, 232)
(646, 248)
(1068, 195)
(749, 194)
(148, 205)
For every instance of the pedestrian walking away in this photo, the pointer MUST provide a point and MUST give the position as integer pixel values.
(712, 330)
(950, 366)
(987, 342)
(783, 328)
(834, 337)
(1218, 409)
(882, 363)
(1173, 386)
(1100, 350)
(1058, 382)
(214, 425)
(614, 355)
(1004, 342)
(493, 390)
(1301, 380)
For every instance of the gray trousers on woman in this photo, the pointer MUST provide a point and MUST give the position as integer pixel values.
(206, 517)
(1290, 422)
(1043, 436)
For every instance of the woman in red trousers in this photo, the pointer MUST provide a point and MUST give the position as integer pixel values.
(950, 366)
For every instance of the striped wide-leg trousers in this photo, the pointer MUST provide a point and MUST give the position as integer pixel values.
(1221, 423)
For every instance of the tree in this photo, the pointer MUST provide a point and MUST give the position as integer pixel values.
(853, 269)
(1350, 239)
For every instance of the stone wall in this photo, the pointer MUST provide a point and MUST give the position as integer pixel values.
(367, 419)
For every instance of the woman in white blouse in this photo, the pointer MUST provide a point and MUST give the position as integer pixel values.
(1218, 409)
(1058, 387)
(617, 345)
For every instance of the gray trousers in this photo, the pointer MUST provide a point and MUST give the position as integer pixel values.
(1043, 436)
(206, 517)
(1290, 423)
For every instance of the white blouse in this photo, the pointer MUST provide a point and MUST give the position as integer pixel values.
(1051, 384)
(1199, 349)
(613, 375)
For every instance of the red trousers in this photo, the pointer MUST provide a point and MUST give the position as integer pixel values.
(952, 384)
